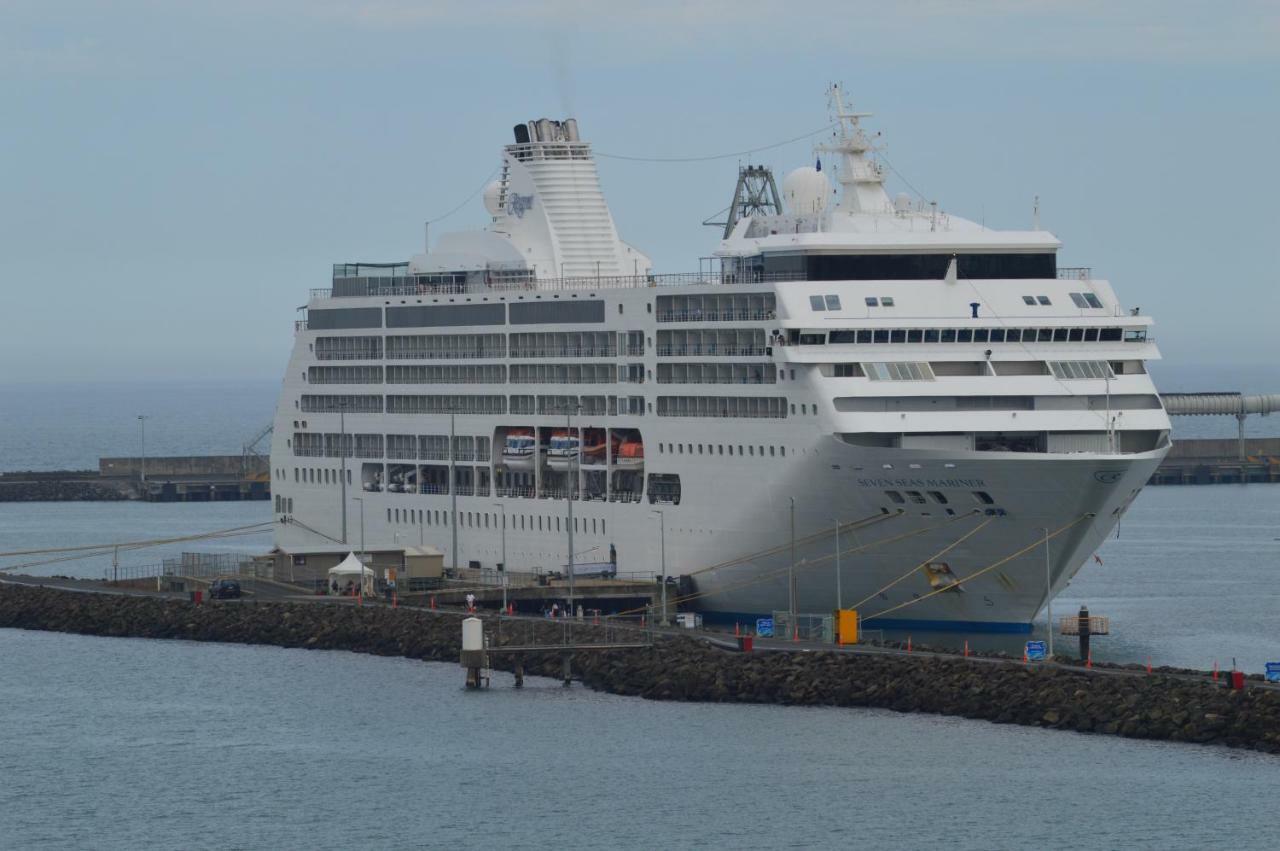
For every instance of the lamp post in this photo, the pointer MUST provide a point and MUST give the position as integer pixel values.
(569, 489)
(662, 537)
(360, 581)
(1048, 591)
(839, 598)
(142, 453)
(342, 452)
(791, 568)
(503, 508)
(453, 498)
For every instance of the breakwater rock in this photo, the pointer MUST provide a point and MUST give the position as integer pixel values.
(1152, 707)
(63, 486)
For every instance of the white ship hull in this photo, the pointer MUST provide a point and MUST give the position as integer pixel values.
(944, 392)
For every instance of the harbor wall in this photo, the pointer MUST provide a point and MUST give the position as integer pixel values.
(1157, 706)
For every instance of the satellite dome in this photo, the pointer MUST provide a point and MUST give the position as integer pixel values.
(492, 193)
(805, 191)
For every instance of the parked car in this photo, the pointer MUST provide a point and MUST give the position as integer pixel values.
(224, 589)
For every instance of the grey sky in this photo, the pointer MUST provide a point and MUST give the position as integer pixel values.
(175, 177)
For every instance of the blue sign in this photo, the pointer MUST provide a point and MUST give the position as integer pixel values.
(1273, 672)
(764, 627)
(1035, 651)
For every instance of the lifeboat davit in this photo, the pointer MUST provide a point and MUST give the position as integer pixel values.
(519, 450)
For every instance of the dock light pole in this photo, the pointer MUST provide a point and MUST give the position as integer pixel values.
(662, 533)
(453, 497)
(342, 452)
(791, 568)
(503, 508)
(360, 581)
(142, 452)
(839, 597)
(1048, 591)
(569, 488)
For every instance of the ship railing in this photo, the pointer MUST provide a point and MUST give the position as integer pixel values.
(716, 351)
(716, 316)
(433, 489)
(441, 354)
(352, 287)
(513, 492)
(1075, 273)
(564, 352)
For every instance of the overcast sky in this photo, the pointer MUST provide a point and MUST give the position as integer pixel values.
(175, 176)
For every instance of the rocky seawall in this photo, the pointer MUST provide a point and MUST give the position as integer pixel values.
(64, 486)
(1150, 707)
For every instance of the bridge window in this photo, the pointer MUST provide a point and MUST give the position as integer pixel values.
(833, 302)
(816, 303)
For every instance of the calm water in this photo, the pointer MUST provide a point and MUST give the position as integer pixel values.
(114, 743)
(122, 743)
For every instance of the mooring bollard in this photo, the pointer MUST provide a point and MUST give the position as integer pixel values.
(472, 655)
(1085, 629)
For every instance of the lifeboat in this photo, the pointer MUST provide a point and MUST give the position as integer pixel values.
(562, 452)
(519, 450)
(629, 455)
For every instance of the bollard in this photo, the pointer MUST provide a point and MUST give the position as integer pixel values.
(1215, 670)
(966, 648)
(519, 672)
(1085, 631)
(908, 644)
(1088, 662)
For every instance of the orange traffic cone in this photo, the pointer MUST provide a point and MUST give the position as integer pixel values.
(1088, 663)
(966, 648)
(1148, 664)
(737, 630)
(795, 633)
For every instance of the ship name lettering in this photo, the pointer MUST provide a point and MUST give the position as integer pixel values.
(922, 483)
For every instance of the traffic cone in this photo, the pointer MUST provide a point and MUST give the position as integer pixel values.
(1215, 670)
(966, 648)
(1148, 664)
(1088, 663)
(795, 633)
(737, 630)
(908, 644)
(433, 601)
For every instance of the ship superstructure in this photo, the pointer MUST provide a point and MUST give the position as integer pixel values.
(939, 403)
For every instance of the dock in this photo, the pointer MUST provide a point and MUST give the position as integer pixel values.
(1220, 461)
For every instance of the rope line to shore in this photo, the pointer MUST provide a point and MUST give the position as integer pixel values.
(851, 526)
(939, 554)
(90, 550)
(955, 585)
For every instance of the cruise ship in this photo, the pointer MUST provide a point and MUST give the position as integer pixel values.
(858, 401)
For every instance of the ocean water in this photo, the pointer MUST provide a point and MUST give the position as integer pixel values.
(127, 743)
(70, 426)
(121, 743)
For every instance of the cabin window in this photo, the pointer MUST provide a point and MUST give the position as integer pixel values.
(872, 301)
(816, 303)
(833, 302)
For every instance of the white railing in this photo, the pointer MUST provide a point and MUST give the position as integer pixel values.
(409, 286)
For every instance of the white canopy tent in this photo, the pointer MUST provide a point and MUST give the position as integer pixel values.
(348, 570)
